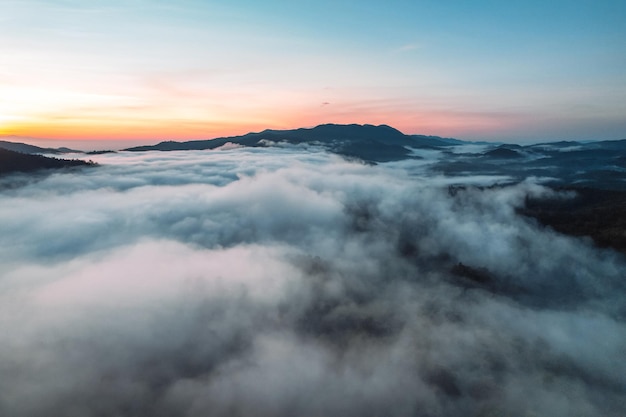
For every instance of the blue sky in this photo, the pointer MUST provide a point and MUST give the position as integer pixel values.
(147, 70)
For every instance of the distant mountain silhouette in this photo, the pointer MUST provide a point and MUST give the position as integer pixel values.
(502, 152)
(368, 142)
(11, 161)
(600, 164)
(32, 149)
(437, 141)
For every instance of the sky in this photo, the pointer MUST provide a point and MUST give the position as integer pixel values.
(143, 71)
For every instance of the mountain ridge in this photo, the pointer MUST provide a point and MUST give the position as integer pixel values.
(371, 143)
(32, 149)
(13, 161)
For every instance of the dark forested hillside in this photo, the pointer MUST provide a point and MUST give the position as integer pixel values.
(595, 213)
(11, 161)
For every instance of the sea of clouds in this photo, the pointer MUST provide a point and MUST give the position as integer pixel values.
(290, 282)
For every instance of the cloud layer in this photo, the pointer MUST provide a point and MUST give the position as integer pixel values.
(277, 282)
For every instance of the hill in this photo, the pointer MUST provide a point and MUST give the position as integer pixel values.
(11, 161)
(32, 149)
(368, 142)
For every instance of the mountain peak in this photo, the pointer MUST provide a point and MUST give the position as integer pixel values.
(367, 142)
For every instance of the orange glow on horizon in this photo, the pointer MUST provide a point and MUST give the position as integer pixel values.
(153, 128)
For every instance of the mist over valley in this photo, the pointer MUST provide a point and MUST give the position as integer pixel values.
(340, 270)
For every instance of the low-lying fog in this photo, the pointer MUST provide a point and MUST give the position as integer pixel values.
(279, 282)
